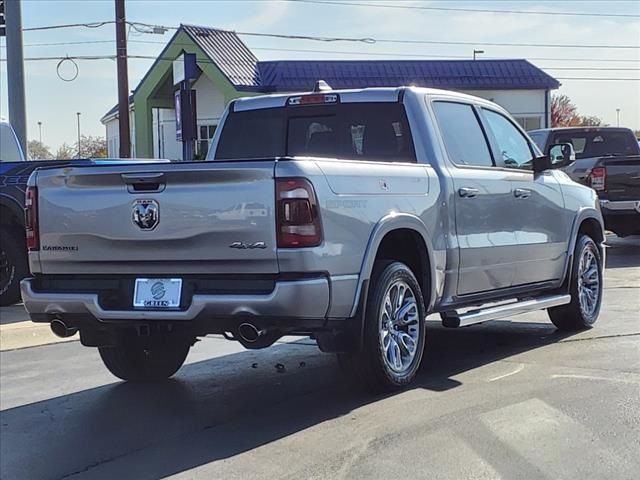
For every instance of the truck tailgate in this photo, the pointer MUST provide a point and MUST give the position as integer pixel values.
(623, 179)
(182, 218)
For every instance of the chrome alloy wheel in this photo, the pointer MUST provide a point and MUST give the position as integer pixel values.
(399, 327)
(588, 283)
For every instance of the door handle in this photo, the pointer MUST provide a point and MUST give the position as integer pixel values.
(468, 192)
(522, 193)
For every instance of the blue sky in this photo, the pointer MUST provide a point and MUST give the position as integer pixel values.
(55, 103)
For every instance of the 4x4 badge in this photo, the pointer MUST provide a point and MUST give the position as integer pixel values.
(146, 214)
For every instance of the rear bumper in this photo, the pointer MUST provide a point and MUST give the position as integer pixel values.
(621, 217)
(302, 299)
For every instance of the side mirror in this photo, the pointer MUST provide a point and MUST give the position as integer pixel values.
(561, 155)
(540, 164)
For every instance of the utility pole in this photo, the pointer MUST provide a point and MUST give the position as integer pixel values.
(78, 114)
(618, 116)
(123, 80)
(15, 70)
(40, 130)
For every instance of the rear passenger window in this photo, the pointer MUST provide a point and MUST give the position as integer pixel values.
(463, 137)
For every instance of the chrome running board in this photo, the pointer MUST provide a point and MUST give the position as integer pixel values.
(453, 319)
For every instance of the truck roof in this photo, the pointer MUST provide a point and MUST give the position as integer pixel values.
(582, 129)
(373, 94)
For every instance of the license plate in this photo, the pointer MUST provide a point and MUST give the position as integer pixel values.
(157, 292)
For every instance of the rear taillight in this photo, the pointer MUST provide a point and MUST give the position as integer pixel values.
(297, 220)
(598, 178)
(31, 219)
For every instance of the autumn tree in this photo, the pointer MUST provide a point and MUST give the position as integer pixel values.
(586, 121)
(92, 147)
(565, 114)
(562, 110)
(38, 150)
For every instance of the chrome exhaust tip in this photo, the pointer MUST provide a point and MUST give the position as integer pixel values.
(249, 332)
(61, 329)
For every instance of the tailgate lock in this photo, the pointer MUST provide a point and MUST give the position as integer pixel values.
(146, 214)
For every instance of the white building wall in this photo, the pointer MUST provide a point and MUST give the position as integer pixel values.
(165, 144)
(526, 106)
(209, 101)
(112, 133)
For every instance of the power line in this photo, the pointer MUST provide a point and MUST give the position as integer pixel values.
(599, 78)
(339, 52)
(368, 40)
(395, 54)
(69, 25)
(150, 57)
(472, 10)
(371, 40)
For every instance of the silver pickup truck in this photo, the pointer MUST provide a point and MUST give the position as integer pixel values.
(348, 216)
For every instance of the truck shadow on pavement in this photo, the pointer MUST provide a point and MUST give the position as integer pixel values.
(219, 408)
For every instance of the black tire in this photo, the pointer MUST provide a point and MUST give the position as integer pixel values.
(372, 364)
(13, 264)
(152, 360)
(577, 315)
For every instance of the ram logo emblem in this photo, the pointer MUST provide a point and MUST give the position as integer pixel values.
(146, 214)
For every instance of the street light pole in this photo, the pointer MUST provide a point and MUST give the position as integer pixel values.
(78, 114)
(40, 130)
(477, 52)
(618, 116)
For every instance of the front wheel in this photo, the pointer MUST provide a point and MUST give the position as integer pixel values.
(151, 360)
(585, 289)
(394, 330)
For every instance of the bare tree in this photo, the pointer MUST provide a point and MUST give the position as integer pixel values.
(92, 147)
(38, 150)
(65, 152)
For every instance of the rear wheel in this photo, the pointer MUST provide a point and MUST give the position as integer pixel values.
(151, 360)
(13, 264)
(394, 330)
(585, 289)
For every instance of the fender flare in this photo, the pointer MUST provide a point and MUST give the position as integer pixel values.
(584, 213)
(389, 223)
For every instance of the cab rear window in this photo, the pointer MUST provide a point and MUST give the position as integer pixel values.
(598, 143)
(368, 131)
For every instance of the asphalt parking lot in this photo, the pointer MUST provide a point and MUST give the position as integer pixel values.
(505, 399)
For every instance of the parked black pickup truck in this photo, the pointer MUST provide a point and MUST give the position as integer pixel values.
(608, 160)
(590, 144)
(617, 181)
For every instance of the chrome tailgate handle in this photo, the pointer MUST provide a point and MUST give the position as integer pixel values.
(144, 182)
(522, 193)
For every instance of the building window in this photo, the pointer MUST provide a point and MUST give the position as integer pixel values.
(529, 123)
(205, 134)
